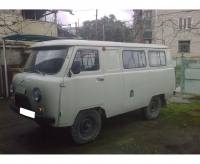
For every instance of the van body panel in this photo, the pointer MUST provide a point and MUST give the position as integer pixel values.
(50, 91)
(113, 83)
(137, 82)
(82, 91)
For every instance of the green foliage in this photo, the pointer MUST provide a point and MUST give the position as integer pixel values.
(187, 115)
(114, 30)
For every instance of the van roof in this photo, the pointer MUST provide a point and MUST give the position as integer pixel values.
(68, 42)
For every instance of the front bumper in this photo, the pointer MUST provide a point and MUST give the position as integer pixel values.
(38, 117)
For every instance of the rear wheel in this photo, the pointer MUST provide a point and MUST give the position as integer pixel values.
(153, 109)
(86, 126)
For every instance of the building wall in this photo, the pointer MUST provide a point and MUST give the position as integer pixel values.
(143, 20)
(167, 31)
(39, 27)
(12, 22)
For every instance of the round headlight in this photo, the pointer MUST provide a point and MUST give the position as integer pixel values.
(37, 94)
(12, 87)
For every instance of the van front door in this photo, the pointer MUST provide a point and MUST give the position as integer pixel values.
(84, 90)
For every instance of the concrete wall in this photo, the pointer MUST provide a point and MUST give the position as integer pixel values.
(13, 56)
(167, 30)
(10, 23)
(39, 28)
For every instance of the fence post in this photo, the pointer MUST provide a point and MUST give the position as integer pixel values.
(182, 74)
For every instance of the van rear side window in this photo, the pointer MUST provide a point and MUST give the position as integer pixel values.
(157, 58)
(133, 59)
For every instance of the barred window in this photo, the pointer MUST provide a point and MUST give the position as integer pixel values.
(184, 46)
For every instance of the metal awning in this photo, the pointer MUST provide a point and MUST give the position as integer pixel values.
(33, 38)
(23, 37)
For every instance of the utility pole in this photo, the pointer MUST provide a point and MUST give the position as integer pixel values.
(103, 33)
(78, 22)
(76, 28)
(96, 26)
(162, 31)
(56, 21)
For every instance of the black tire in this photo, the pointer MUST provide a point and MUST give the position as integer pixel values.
(86, 126)
(153, 109)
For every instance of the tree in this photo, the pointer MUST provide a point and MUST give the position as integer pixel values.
(114, 30)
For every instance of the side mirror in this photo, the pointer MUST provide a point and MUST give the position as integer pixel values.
(76, 67)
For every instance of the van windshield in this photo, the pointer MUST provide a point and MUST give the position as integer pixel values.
(46, 61)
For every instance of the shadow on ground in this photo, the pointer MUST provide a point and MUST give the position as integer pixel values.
(175, 131)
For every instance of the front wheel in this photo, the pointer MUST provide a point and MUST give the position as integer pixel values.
(153, 109)
(86, 126)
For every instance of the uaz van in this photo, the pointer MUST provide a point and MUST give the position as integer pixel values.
(75, 82)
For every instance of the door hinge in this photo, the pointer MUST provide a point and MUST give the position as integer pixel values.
(62, 85)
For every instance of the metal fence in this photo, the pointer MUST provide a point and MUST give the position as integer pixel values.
(190, 76)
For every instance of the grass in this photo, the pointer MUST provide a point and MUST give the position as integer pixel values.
(196, 98)
(183, 115)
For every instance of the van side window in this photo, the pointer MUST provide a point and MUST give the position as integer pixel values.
(157, 58)
(133, 59)
(89, 59)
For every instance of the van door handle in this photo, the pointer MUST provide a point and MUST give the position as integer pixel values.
(100, 79)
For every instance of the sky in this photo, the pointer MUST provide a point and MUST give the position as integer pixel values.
(90, 14)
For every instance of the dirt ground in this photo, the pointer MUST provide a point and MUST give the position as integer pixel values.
(175, 131)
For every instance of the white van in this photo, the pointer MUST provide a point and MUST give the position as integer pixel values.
(74, 82)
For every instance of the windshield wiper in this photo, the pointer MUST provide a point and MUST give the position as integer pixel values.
(33, 69)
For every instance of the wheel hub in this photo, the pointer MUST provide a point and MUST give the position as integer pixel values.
(153, 106)
(86, 125)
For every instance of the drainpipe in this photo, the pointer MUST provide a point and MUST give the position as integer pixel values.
(5, 68)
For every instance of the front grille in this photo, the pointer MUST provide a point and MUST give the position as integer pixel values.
(22, 101)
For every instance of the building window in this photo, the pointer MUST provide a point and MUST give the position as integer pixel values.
(89, 59)
(184, 46)
(157, 58)
(185, 23)
(133, 59)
